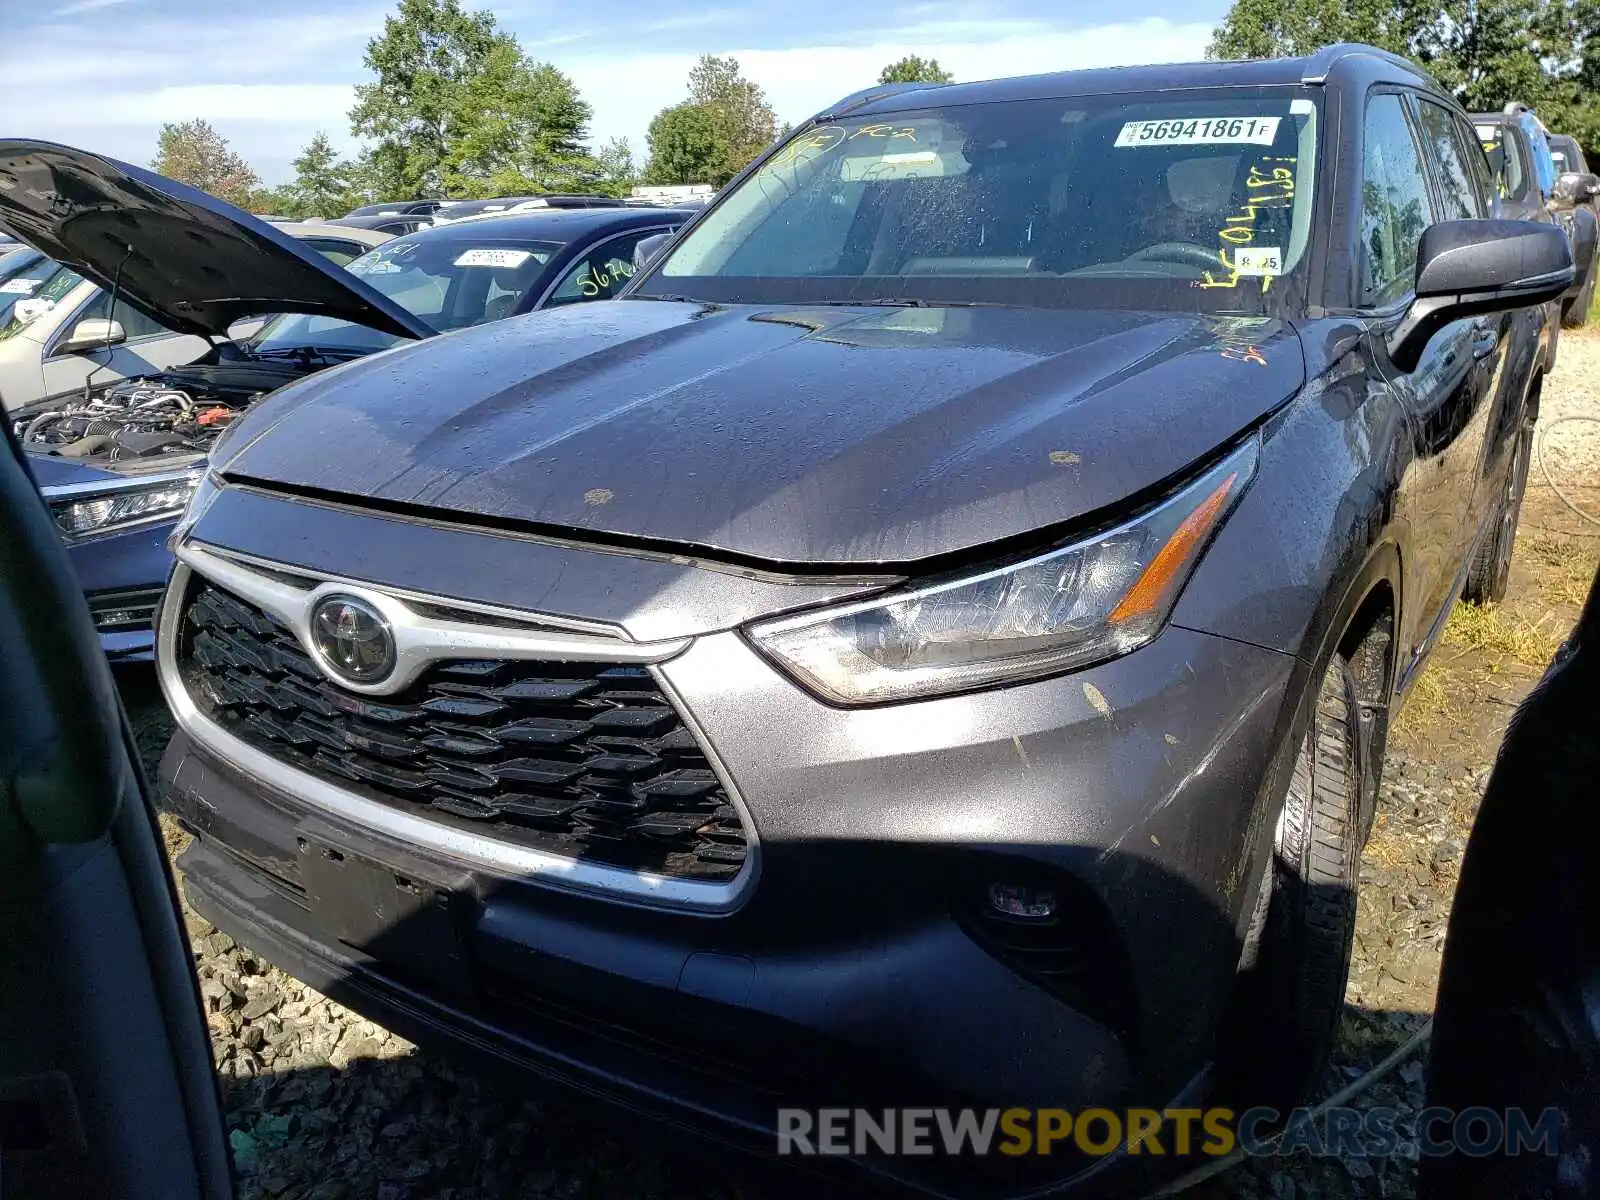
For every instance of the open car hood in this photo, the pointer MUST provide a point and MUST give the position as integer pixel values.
(193, 262)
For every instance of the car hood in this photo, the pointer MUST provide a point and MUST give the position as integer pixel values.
(51, 472)
(186, 259)
(787, 435)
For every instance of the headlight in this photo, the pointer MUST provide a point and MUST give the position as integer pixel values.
(83, 513)
(1075, 606)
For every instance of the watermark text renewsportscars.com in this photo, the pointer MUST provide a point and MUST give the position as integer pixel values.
(1211, 1132)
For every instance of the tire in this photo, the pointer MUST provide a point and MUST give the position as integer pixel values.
(1291, 995)
(1491, 561)
(1575, 312)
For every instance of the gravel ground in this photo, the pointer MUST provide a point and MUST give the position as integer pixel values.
(324, 1104)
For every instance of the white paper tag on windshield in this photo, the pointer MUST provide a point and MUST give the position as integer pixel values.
(1258, 260)
(1199, 131)
(19, 287)
(486, 257)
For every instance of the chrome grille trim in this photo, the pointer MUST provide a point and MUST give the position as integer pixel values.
(492, 855)
(420, 640)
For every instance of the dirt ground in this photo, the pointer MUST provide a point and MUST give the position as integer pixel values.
(323, 1104)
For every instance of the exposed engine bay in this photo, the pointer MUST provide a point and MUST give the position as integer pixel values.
(156, 422)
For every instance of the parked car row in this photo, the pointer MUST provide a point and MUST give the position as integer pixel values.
(411, 215)
(117, 410)
(931, 639)
(1534, 184)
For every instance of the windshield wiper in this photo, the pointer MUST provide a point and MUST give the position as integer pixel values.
(309, 352)
(911, 302)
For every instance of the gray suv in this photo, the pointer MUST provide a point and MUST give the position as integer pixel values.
(930, 642)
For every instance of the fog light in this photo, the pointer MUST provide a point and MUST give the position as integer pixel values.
(1022, 902)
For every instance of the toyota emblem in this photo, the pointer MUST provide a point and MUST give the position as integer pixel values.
(352, 639)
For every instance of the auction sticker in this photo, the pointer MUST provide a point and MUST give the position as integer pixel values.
(1258, 260)
(19, 287)
(1199, 131)
(486, 257)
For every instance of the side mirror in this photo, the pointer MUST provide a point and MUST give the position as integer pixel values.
(1575, 187)
(92, 334)
(647, 249)
(1469, 267)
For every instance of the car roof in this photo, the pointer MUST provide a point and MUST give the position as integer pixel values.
(1362, 64)
(349, 233)
(553, 224)
(373, 220)
(390, 208)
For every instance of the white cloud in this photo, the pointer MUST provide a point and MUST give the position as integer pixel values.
(85, 6)
(269, 82)
(627, 90)
(263, 103)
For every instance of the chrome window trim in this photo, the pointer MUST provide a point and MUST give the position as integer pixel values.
(502, 859)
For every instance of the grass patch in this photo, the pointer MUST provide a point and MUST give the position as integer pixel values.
(1565, 567)
(1500, 635)
(1428, 701)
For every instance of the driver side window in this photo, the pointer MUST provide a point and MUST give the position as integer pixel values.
(1395, 208)
(601, 272)
(134, 323)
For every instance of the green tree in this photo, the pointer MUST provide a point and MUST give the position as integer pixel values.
(1486, 52)
(457, 109)
(278, 201)
(617, 171)
(550, 130)
(743, 120)
(915, 69)
(193, 152)
(685, 146)
(321, 186)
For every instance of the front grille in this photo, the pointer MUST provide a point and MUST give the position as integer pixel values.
(586, 760)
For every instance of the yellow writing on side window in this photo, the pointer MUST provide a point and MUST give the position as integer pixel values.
(595, 280)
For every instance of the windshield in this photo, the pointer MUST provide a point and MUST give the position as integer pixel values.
(1190, 200)
(449, 282)
(30, 287)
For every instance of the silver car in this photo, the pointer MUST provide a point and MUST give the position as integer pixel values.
(58, 331)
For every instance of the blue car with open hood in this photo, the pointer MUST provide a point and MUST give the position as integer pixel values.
(118, 462)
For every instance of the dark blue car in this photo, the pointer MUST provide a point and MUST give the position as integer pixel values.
(118, 464)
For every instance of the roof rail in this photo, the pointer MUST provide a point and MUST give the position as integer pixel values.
(1321, 62)
(867, 95)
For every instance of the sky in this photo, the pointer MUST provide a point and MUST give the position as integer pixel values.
(268, 74)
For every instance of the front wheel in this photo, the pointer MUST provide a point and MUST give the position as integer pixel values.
(1575, 312)
(1292, 987)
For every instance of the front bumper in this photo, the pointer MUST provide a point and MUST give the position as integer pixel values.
(123, 575)
(858, 967)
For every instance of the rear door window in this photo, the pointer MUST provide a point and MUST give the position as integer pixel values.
(1477, 165)
(1395, 206)
(1504, 154)
(1457, 184)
